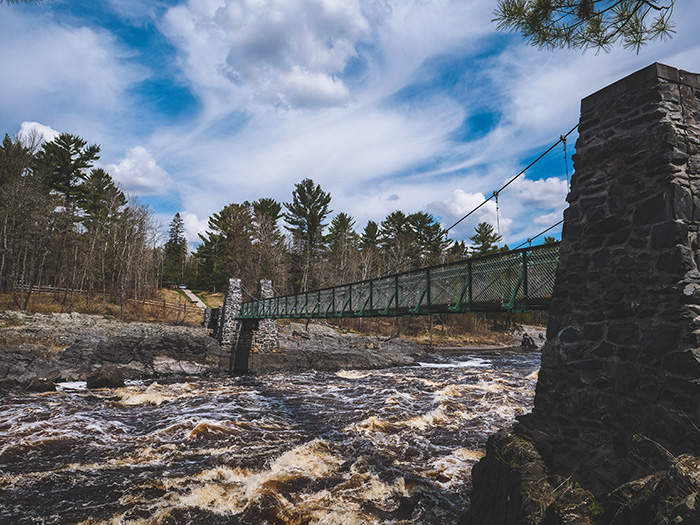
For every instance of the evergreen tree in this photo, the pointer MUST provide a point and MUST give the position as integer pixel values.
(395, 240)
(175, 252)
(270, 256)
(457, 252)
(485, 239)
(369, 250)
(428, 239)
(305, 216)
(65, 161)
(226, 249)
(100, 199)
(587, 23)
(343, 244)
(370, 236)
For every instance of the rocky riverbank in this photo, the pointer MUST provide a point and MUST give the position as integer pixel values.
(72, 347)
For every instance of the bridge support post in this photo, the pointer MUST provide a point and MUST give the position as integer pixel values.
(618, 394)
(245, 337)
(228, 331)
(266, 335)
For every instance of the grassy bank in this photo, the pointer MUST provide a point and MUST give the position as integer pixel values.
(166, 307)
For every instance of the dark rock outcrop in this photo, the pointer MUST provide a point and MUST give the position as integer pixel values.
(71, 347)
(41, 384)
(107, 376)
(321, 347)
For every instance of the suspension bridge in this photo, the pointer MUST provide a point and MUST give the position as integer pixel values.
(509, 281)
(517, 280)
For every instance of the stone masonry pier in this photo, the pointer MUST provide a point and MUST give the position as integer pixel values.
(246, 338)
(617, 404)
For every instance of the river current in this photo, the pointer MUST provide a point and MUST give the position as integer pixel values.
(393, 446)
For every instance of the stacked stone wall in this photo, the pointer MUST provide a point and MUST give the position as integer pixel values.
(265, 339)
(244, 338)
(622, 359)
(617, 401)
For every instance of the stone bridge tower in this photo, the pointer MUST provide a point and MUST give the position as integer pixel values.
(246, 338)
(618, 395)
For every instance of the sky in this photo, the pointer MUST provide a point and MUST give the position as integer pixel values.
(411, 105)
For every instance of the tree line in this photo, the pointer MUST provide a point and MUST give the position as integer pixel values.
(299, 248)
(67, 225)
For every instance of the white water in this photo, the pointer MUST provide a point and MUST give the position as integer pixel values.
(391, 446)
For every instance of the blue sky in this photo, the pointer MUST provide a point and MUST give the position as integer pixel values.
(388, 104)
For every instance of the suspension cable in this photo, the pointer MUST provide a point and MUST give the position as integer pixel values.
(249, 294)
(498, 218)
(566, 162)
(529, 241)
(561, 138)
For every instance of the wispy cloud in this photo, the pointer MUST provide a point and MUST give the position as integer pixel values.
(391, 104)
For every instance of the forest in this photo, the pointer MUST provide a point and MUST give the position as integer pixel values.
(68, 226)
(299, 247)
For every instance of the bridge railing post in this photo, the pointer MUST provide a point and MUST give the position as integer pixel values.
(396, 292)
(525, 279)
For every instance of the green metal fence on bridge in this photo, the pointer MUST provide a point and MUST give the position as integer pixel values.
(519, 280)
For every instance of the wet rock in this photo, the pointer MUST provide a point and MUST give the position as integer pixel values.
(108, 376)
(672, 496)
(72, 346)
(322, 347)
(41, 384)
(512, 485)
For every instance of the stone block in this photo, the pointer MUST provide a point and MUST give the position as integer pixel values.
(685, 363)
(626, 379)
(624, 333)
(660, 339)
(651, 212)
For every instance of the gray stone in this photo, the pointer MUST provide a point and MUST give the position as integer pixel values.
(107, 376)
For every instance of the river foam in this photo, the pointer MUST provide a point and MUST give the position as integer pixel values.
(352, 447)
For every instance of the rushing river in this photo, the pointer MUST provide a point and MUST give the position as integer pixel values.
(392, 446)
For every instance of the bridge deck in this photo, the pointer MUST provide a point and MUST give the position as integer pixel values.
(519, 280)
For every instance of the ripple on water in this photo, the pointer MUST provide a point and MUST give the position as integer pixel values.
(383, 446)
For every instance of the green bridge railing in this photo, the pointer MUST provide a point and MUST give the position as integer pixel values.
(519, 280)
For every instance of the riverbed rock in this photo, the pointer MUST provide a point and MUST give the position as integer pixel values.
(512, 485)
(71, 347)
(322, 347)
(41, 384)
(107, 376)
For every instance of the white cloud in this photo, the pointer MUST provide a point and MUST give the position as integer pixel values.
(57, 69)
(29, 130)
(139, 172)
(289, 54)
(193, 226)
(543, 193)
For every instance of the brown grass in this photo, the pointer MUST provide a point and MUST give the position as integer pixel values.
(441, 330)
(183, 314)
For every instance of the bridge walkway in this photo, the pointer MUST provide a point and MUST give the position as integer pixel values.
(517, 280)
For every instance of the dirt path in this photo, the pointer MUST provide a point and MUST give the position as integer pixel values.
(196, 300)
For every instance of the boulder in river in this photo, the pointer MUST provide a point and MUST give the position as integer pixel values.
(107, 376)
(41, 384)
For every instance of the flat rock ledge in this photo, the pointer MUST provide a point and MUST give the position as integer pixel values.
(512, 485)
(38, 350)
(322, 347)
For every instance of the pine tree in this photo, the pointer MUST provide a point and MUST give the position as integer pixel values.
(587, 23)
(485, 240)
(305, 216)
(343, 244)
(175, 252)
(227, 248)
